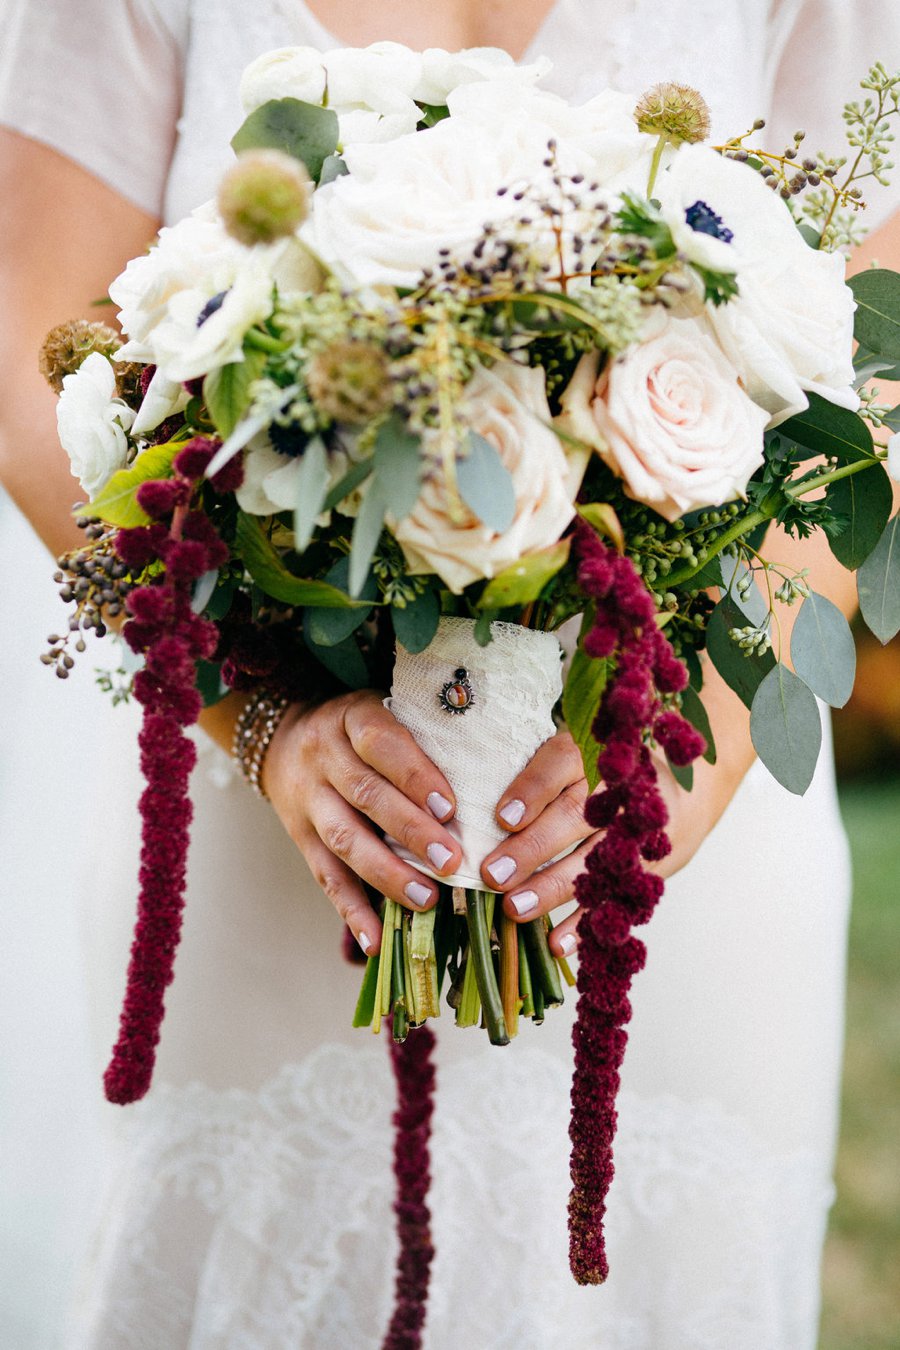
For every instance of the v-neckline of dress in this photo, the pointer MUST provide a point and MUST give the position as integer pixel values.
(330, 40)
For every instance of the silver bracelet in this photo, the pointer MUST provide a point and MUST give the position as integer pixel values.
(258, 721)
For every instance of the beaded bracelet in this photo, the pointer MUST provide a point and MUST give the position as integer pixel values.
(253, 732)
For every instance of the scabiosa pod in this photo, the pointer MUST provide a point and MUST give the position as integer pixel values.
(172, 638)
(413, 1062)
(615, 890)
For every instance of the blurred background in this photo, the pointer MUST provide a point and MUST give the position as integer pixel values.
(862, 1257)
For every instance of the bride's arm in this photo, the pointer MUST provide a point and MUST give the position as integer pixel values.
(63, 236)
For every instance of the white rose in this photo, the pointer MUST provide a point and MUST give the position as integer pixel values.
(287, 72)
(670, 419)
(405, 201)
(369, 88)
(508, 406)
(442, 72)
(92, 423)
(791, 328)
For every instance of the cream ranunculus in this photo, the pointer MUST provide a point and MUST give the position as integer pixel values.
(790, 330)
(92, 423)
(508, 406)
(669, 418)
(442, 72)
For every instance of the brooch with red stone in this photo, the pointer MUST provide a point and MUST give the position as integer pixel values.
(457, 695)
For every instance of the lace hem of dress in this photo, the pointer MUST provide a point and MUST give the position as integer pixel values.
(262, 1220)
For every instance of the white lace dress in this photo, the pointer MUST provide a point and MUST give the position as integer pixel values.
(250, 1205)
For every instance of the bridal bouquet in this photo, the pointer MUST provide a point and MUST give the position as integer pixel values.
(448, 364)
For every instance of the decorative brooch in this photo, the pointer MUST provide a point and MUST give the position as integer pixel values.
(457, 695)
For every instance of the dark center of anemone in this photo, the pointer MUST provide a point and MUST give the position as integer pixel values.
(704, 220)
(289, 440)
(210, 308)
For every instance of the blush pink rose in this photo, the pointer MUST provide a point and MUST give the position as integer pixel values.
(670, 418)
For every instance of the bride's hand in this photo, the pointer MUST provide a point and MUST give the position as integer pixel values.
(330, 772)
(543, 810)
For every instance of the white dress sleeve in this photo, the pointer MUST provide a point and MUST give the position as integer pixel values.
(101, 82)
(819, 50)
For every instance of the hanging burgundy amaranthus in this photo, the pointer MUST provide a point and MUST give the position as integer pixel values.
(414, 1074)
(616, 890)
(163, 626)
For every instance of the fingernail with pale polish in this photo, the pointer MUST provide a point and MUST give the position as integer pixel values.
(523, 901)
(512, 812)
(438, 805)
(438, 855)
(501, 869)
(567, 944)
(365, 942)
(417, 893)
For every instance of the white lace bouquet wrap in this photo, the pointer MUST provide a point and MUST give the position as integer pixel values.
(508, 692)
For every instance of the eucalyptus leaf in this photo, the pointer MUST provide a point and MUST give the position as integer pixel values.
(274, 579)
(366, 532)
(344, 659)
(826, 429)
(786, 728)
(304, 130)
(116, 503)
(582, 692)
(415, 623)
(524, 580)
(876, 323)
(332, 167)
(330, 627)
(351, 480)
(865, 499)
(694, 709)
(204, 588)
(227, 391)
(398, 465)
(313, 477)
(485, 485)
(868, 366)
(221, 599)
(878, 583)
(823, 651)
(742, 671)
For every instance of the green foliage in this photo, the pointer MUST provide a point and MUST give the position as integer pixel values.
(694, 710)
(823, 651)
(826, 429)
(482, 630)
(116, 503)
(863, 500)
(786, 728)
(876, 324)
(485, 485)
(226, 391)
(313, 478)
(272, 577)
(432, 113)
(878, 583)
(330, 627)
(304, 130)
(332, 167)
(366, 532)
(524, 580)
(582, 693)
(210, 684)
(742, 671)
(344, 660)
(415, 624)
(351, 480)
(398, 465)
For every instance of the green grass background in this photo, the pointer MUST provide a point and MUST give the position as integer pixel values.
(861, 1277)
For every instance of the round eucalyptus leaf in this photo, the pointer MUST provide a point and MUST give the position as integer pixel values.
(786, 728)
(823, 650)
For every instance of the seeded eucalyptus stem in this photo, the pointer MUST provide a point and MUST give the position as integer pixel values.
(481, 958)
